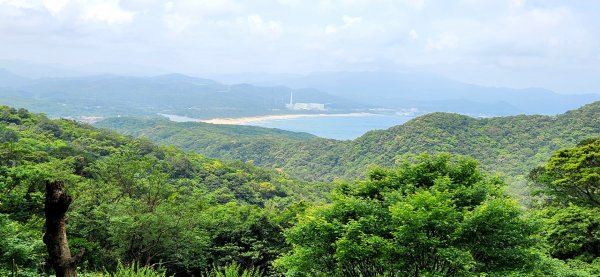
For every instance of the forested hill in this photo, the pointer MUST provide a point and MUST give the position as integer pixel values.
(131, 196)
(513, 145)
(162, 212)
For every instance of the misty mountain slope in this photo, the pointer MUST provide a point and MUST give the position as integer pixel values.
(407, 89)
(513, 145)
(109, 95)
(8, 79)
(113, 95)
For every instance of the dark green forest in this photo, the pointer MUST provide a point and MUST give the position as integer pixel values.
(424, 206)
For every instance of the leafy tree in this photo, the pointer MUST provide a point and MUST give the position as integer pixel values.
(569, 185)
(438, 216)
(573, 232)
(572, 175)
(21, 247)
(8, 138)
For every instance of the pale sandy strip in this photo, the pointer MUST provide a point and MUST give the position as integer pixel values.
(245, 120)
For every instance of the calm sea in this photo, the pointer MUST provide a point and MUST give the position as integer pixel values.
(338, 127)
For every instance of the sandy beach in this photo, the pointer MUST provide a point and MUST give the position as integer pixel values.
(246, 120)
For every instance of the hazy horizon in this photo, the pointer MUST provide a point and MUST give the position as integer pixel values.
(504, 43)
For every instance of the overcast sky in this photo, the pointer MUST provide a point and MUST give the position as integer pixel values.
(515, 43)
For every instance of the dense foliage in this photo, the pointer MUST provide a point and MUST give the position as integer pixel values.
(572, 175)
(437, 217)
(569, 190)
(136, 202)
(222, 141)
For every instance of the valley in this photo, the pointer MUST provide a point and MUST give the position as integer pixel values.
(287, 138)
(512, 145)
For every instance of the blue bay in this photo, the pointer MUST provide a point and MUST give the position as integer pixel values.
(337, 127)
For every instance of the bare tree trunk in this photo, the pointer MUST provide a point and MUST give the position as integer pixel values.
(55, 238)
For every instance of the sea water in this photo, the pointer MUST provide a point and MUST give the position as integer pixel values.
(335, 127)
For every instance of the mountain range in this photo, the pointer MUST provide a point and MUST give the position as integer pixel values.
(109, 95)
(431, 93)
(112, 95)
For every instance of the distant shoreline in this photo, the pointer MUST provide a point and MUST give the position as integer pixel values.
(251, 119)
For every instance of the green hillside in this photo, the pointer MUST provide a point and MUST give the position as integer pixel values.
(135, 201)
(144, 210)
(513, 145)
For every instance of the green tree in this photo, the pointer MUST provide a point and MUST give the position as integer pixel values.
(569, 185)
(572, 175)
(8, 138)
(573, 232)
(438, 216)
(21, 247)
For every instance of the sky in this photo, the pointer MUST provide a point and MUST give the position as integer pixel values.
(513, 43)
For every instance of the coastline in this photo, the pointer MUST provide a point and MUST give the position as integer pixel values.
(251, 119)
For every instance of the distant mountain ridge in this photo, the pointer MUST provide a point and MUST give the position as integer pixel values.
(431, 93)
(113, 95)
(8, 79)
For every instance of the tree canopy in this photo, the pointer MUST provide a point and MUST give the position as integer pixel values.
(572, 175)
(438, 216)
(569, 189)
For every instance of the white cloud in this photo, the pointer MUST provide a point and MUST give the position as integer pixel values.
(141, 5)
(330, 29)
(515, 4)
(413, 34)
(67, 13)
(442, 42)
(348, 22)
(169, 6)
(416, 4)
(261, 27)
(547, 17)
(55, 6)
(206, 8)
(177, 23)
(108, 12)
(338, 34)
(21, 4)
(543, 31)
(179, 15)
(103, 11)
(289, 3)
